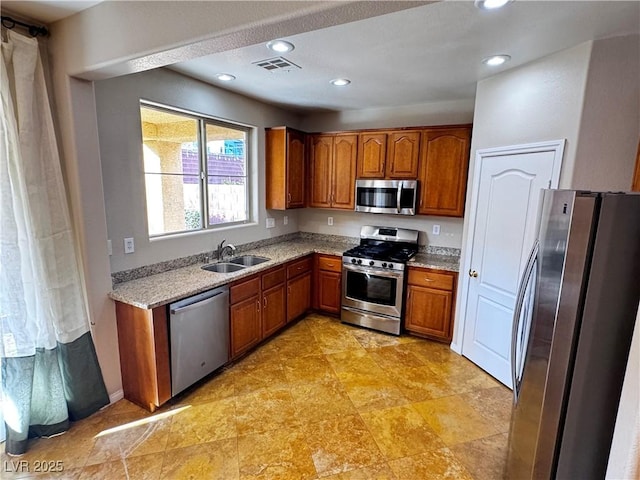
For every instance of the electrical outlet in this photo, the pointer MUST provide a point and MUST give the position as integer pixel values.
(109, 248)
(329, 221)
(285, 220)
(271, 222)
(129, 246)
(436, 229)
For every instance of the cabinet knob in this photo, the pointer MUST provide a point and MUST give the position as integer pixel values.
(473, 273)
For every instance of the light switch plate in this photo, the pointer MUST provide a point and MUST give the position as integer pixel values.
(285, 220)
(129, 246)
(271, 222)
(329, 221)
(436, 229)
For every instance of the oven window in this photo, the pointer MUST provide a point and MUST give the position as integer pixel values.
(377, 197)
(371, 288)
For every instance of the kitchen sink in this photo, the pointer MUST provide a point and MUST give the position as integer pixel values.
(223, 267)
(249, 260)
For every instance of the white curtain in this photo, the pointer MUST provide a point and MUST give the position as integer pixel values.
(41, 299)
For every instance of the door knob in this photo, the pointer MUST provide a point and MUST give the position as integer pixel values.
(473, 273)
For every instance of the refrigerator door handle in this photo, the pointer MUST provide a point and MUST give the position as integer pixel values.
(517, 313)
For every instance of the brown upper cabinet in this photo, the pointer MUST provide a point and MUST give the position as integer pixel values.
(285, 168)
(372, 154)
(403, 151)
(444, 161)
(332, 171)
(392, 154)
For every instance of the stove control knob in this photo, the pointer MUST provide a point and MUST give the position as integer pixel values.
(384, 264)
(372, 263)
(353, 260)
(359, 261)
(390, 265)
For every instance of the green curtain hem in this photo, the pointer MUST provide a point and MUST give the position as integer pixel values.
(85, 391)
(48, 430)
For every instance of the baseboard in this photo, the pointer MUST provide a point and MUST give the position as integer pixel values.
(456, 348)
(115, 396)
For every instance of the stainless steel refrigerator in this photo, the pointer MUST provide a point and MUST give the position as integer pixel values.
(575, 314)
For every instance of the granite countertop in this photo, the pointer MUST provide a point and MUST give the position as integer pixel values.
(163, 288)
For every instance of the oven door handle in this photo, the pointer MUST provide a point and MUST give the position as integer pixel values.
(399, 196)
(371, 271)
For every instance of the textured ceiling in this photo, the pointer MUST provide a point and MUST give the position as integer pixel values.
(48, 11)
(430, 53)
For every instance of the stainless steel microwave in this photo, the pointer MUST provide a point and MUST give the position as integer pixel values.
(397, 197)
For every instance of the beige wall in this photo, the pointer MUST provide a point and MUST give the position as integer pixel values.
(348, 223)
(118, 113)
(539, 101)
(439, 113)
(610, 123)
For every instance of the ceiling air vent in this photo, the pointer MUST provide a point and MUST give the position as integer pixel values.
(277, 64)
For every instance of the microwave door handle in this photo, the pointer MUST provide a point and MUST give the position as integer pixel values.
(399, 196)
(517, 313)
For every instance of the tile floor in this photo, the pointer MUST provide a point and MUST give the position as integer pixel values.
(321, 400)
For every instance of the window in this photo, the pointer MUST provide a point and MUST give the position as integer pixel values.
(195, 171)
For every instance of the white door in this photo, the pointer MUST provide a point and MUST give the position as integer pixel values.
(506, 195)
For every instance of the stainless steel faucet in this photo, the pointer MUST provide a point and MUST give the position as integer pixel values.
(222, 250)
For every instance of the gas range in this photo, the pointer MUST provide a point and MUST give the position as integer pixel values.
(379, 256)
(373, 277)
(383, 247)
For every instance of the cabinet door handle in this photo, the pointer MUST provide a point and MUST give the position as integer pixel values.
(289, 290)
(264, 302)
(289, 197)
(427, 279)
(258, 302)
(329, 265)
(473, 273)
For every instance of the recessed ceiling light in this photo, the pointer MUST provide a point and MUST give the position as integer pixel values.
(491, 4)
(225, 77)
(496, 60)
(280, 46)
(340, 82)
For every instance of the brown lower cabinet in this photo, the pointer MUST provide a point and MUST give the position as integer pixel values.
(260, 306)
(143, 338)
(257, 309)
(299, 287)
(328, 283)
(430, 302)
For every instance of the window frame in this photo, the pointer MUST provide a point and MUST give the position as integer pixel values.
(202, 121)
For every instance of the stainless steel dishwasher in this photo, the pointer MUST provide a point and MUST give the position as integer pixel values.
(199, 329)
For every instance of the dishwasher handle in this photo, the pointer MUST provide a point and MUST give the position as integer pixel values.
(200, 303)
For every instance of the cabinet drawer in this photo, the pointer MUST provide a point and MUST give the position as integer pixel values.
(272, 278)
(330, 263)
(430, 279)
(244, 289)
(299, 267)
